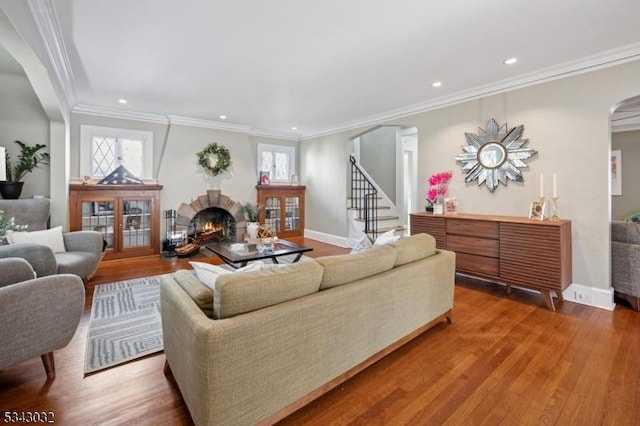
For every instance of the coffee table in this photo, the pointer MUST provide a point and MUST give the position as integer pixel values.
(237, 259)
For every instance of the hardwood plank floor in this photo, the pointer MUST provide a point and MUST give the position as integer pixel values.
(506, 360)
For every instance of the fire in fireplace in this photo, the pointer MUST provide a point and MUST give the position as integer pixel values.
(212, 224)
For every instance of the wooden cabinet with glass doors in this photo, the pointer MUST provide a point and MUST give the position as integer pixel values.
(282, 209)
(128, 216)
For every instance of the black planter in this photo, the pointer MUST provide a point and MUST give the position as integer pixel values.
(428, 209)
(11, 190)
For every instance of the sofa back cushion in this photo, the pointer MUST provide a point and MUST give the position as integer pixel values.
(242, 292)
(625, 232)
(345, 268)
(201, 295)
(414, 248)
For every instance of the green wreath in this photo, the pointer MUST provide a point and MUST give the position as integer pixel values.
(223, 159)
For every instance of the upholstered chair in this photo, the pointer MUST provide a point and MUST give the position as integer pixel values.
(625, 261)
(38, 315)
(80, 253)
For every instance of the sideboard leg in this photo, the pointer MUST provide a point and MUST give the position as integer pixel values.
(508, 289)
(548, 299)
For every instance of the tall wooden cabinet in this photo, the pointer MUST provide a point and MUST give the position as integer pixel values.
(508, 249)
(128, 216)
(282, 209)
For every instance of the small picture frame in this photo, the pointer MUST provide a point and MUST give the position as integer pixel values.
(264, 178)
(537, 210)
(451, 205)
(102, 208)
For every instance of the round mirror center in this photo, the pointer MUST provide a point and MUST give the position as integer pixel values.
(491, 155)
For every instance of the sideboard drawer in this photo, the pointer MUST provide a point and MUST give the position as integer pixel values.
(476, 228)
(477, 265)
(473, 245)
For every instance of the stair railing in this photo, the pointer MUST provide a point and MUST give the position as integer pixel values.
(364, 198)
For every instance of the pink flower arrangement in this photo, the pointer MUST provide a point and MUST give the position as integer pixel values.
(438, 186)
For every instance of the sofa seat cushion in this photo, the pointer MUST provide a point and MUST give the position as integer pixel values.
(414, 248)
(199, 293)
(242, 292)
(80, 263)
(345, 268)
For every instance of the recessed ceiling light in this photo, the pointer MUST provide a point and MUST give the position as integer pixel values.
(223, 117)
(294, 128)
(510, 61)
(122, 101)
(436, 84)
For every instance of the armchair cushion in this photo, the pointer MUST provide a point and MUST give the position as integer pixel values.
(51, 238)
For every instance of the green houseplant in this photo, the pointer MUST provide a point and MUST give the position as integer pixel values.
(29, 159)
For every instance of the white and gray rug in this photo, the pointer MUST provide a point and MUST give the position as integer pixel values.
(125, 323)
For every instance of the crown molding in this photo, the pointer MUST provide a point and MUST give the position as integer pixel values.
(116, 113)
(207, 124)
(601, 60)
(48, 26)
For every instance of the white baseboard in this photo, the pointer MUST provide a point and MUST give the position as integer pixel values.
(329, 238)
(590, 296)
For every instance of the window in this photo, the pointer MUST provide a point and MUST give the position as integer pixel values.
(278, 160)
(103, 149)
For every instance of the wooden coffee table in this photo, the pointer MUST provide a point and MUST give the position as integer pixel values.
(237, 259)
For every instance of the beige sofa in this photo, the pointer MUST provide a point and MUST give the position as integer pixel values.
(270, 341)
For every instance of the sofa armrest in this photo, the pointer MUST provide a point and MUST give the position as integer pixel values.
(39, 316)
(15, 270)
(625, 268)
(87, 241)
(39, 256)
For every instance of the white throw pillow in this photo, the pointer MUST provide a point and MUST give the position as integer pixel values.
(49, 237)
(363, 244)
(387, 238)
(207, 273)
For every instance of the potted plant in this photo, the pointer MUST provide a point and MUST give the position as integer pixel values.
(29, 159)
(251, 212)
(438, 189)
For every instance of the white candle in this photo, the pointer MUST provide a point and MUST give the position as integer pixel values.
(541, 186)
(3, 170)
(555, 186)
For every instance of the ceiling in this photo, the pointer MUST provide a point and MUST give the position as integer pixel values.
(320, 66)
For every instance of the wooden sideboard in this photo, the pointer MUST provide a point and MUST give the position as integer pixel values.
(507, 249)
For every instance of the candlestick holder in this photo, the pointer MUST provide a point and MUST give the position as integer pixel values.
(554, 209)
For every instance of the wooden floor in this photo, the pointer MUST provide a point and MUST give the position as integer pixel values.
(506, 360)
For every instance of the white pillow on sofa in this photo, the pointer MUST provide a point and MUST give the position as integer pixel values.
(208, 273)
(387, 238)
(49, 237)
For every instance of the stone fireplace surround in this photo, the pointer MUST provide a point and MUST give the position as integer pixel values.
(213, 198)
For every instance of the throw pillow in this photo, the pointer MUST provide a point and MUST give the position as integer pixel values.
(208, 274)
(387, 238)
(49, 237)
(363, 244)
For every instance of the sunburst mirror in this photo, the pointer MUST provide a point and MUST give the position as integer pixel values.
(495, 155)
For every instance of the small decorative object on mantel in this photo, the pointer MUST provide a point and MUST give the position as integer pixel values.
(495, 155)
(214, 159)
(120, 176)
(438, 190)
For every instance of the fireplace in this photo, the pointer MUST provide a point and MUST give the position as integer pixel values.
(212, 217)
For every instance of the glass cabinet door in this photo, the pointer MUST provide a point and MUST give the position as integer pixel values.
(292, 213)
(98, 216)
(272, 213)
(136, 223)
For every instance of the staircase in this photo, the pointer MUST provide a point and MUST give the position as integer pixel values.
(369, 210)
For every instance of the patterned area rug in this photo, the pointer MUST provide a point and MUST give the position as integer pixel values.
(125, 323)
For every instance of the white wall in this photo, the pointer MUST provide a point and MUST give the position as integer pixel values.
(566, 121)
(22, 118)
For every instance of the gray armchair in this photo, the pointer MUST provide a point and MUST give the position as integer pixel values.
(84, 249)
(38, 315)
(625, 261)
